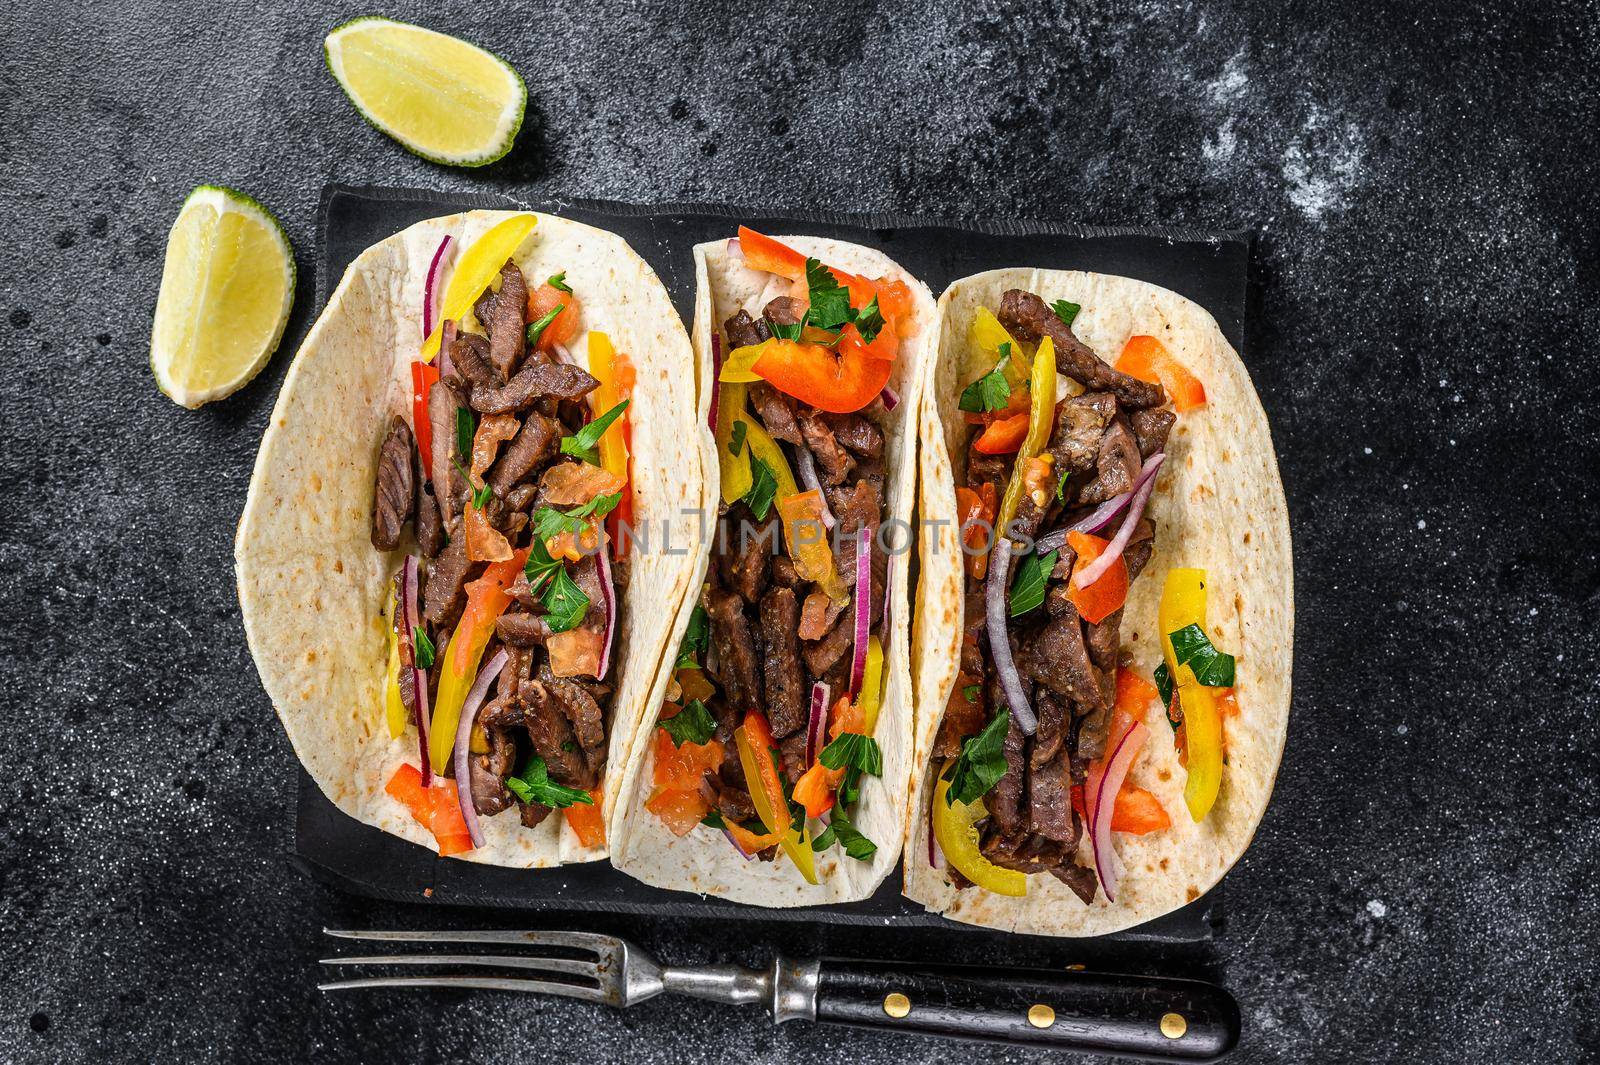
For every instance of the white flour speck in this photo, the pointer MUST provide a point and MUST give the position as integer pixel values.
(1421, 524)
(1324, 164)
(1377, 908)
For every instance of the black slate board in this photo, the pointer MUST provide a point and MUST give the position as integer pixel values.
(1207, 267)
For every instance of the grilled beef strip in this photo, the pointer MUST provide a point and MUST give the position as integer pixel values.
(857, 433)
(522, 629)
(1151, 428)
(745, 561)
(507, 320)
(447, 577)
(777, 413)
(821, 655)
(1117, 464)
(489, 771)
(535, 444)
(470, 366)
(786, 701)
(535, 381)
(737, 661)
(742, 331)
(442, 405)
(584, 714)
(550, 729)
(784, 310)
(833, 462)
(1027, 318)
(734, 804)
(392, 496)
(429, 526)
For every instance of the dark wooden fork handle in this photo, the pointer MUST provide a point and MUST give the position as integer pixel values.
(1156, 1018)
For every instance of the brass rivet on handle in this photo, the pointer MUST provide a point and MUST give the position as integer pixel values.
(1040, 1015)
(896, 1005)
(1173, 1025)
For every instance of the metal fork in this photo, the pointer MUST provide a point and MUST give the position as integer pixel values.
(1159, 1018)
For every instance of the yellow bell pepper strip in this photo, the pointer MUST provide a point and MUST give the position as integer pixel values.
(738, 367)
(394, 708)
(1183, 602)
(807, 541)
(986, 335)
(757, 754)
(1041, 419)
(486, 600)
(871, 695)
(760, 445)
(736, 476)
(955, 826)
(614, 371)
(478, 266)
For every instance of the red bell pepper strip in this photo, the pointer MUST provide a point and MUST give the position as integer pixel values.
(1004, 436)
(763, 253)
(487, 599)
(839, 384)
(588, 821)
(814, 790)
(436, 808)
(423, 376)
(1147, 359)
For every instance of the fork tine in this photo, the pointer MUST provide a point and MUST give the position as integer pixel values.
(546, 965)
(536, 938)
(484, 983)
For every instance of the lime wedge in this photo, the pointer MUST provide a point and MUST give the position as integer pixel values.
(226, 289)
(444, 99)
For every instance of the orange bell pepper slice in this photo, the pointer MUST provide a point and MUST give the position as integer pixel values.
(761, 252)
(1147, 359)
(487, 599)
(839, 384)
(975, 517)
(438, 809)
(759, 735)
(1105, 595)
(814, 790)
(748, 840)
(1004, 436)
(588, 821)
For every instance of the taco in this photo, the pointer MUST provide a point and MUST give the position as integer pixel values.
(1104, 616)
(460, 530)
(775, 769)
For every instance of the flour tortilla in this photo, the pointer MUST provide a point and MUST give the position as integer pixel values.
(703, 861)
(312, 588)
(1218, 505)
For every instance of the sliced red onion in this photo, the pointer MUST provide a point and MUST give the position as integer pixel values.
(447, 336)
(1103, 797)
(808, 477)
(1141, 495)
(469, 714)
(858, 663)
(433, 288)
(891, 398)
(608, 592)
(746, 855)
(933, 840)
(816, 722)
(716, 386)
(564, 354)
(409, 581)
(1005, 667)
(1101, 516)
(735, 249)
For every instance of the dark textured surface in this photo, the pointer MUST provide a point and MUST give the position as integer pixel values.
(1425, 180)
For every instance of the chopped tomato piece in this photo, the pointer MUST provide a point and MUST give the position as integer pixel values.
(894, 300)
(814, 790)
(840, 384)
(564, 328)
(485, 543)
(436, 808)
(679, 810)
(964, 715)
(695, 685)
(588, 821)
(1147, 359)
(975, 510)
(1135, 811)
(569, 483)
(1134, 693)
(576, 652)
(1004, 436)
(1105, 595)
(763, 253)
(683, 768)
(847, 717)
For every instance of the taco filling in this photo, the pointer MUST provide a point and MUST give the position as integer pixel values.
(505, 619)
(767, 732)
(1046, 716)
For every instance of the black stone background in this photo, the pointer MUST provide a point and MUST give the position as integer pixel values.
(1424, 182)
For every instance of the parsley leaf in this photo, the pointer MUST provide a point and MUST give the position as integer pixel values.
(854, 843)
(533, 785)
(559, 281)
(971, 692)
(481, 496)
(982, 762)
(854, 750)
(1192, 647)
(421, 648)
(987, 393)
(830, 301)
(583, 445)
(598, 507)
(869, 321)
(1163, 677)
(692, 724)
(564, 602)
(1028, 591)
(548, 522)
(736, 438)
(539, 565)
(824, 839)
(763, 488)
(536, 329)
(713, 820)
(466, 426)
(696, 639)
(849, 788)
(1066, 311)
(1061, 489)
(786, 330)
